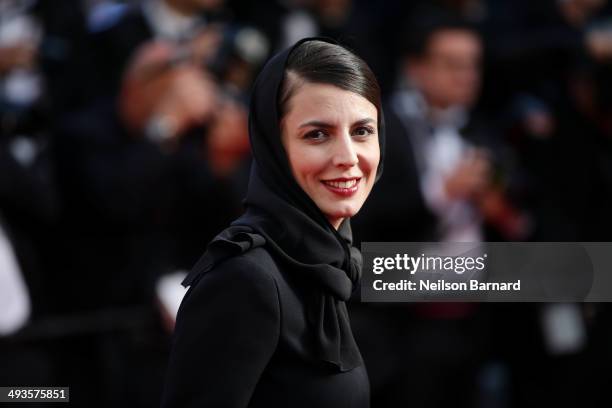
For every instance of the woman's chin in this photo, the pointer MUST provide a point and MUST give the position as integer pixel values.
(340, 214)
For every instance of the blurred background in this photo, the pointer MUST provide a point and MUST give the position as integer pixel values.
(124, 150)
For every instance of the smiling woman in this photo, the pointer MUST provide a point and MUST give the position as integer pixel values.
(331, 142)
(264, 323)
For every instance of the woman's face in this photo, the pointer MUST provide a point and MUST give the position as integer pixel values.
(331, 139)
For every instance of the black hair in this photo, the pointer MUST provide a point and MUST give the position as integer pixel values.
(326, 63)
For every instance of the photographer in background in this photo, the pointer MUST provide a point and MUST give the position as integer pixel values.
(150, 170)
(448, 181)
(199, 123)
(450, 178)
(153, 156)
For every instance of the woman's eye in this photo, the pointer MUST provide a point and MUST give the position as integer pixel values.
(363, 131)
(315, 135)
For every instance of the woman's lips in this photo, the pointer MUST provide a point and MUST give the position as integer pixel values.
(344, 187)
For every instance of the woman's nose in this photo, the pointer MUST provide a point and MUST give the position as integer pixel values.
(344, 152)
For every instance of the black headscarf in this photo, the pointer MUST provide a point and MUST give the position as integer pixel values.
(280, 216)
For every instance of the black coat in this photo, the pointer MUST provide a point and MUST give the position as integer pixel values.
(237, 338)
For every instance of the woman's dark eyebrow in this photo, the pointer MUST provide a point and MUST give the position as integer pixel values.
(318, 123)
(366, 121)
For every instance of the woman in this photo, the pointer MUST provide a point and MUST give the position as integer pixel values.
(264, 323)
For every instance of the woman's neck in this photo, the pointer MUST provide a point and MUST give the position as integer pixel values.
(336, 222)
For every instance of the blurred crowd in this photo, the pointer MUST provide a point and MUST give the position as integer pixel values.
(124, 150)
